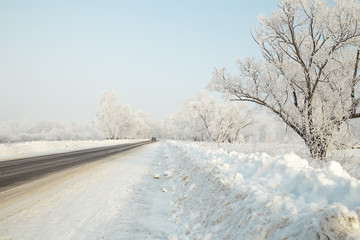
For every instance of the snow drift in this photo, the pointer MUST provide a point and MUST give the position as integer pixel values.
(227, 195)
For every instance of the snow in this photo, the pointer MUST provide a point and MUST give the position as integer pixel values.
(27, 149)
(349, 158)
(229, 195)
(180, 190)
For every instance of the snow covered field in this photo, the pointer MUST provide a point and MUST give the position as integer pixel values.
(24, 149)
(176, 190)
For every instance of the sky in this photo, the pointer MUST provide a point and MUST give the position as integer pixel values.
(57, 57)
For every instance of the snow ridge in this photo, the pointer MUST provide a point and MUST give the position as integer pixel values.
(225, 195)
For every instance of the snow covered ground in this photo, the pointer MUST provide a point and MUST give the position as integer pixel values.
(230, 195)
(176, 190)
(25, 149)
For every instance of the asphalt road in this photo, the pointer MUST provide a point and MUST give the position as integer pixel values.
(18, 171)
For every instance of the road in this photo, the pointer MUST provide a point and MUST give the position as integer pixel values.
(113, 198)
(19, 171)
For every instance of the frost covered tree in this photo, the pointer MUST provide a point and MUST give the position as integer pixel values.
(230, 121)
(309, 75)
(106, 117)
(143, 125)
(124, 122)
(203, 119)
(200, 113)
(117, 121)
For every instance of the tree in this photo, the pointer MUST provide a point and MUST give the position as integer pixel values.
(117, 121)
(106, 117)
(230, 121)
(191, 121)
(203, 119)
(309, 76)
(143, 125)
(201, 113)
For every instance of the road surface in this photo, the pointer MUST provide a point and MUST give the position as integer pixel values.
(18, 171)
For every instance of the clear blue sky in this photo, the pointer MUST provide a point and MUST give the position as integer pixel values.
(56, 57)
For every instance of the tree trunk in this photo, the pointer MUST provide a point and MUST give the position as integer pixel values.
(318, 146)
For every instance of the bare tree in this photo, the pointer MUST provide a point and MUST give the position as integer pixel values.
(310, 73)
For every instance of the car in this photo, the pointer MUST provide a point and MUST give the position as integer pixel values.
(153, 139)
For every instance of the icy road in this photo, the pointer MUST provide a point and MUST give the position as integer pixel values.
(115, 198)
(19, 170)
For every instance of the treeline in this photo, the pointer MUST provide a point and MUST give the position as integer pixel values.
(201, 118)
(204, 119)
(18, 131)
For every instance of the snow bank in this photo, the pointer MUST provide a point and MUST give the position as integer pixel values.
(348, 158)
(221, 195)
(24, 149)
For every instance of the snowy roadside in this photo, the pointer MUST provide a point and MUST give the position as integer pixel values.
(29, 149)
(221, 195)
